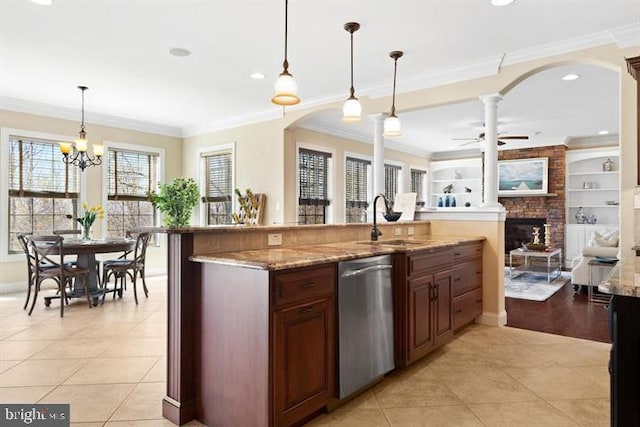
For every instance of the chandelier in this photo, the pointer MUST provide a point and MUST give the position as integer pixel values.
(76, 153)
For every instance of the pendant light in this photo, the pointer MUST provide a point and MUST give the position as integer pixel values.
(80, 157)
(392, 123)
(286, 87)
(352, 110)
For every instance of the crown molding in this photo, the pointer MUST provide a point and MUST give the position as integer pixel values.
(627, 36)
(610, 140)
(48, 110)
(568, 45)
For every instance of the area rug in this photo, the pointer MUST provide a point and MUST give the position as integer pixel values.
(533, 286)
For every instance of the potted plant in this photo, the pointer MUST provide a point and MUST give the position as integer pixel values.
(176, 200)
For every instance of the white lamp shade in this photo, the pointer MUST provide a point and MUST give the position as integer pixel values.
(391, 127)
(286, 90)
(98, 150)
(352, 111)
(81, 145)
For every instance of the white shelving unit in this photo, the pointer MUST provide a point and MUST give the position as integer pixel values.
(601, 199)
(444, 172)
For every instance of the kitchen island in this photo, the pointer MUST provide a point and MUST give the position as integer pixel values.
(252, 336)
(623, 283)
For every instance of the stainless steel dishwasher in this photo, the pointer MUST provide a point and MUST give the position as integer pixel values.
(365, 319)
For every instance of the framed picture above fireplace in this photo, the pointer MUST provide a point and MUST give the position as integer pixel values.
(523, 176)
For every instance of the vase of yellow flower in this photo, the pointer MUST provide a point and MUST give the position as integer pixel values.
(88, 218)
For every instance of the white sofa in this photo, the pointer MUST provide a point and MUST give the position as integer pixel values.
(601, 244)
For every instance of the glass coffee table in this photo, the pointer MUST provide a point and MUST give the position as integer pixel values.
(547, 262)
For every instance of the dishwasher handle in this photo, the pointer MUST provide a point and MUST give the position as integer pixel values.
(365, 270)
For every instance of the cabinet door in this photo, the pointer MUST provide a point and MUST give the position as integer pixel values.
(574, 242)
(421, 293)
(442, 313)
(304, 360)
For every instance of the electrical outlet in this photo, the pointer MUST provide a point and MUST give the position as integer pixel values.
(410, 231)
(397, 231)
(274, 239)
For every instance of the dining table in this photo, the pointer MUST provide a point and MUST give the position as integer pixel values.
(86, 251)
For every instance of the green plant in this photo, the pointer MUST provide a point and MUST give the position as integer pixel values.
(176, 200)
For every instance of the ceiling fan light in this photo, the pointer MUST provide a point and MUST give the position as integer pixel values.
(352, 111)
(286, 90)
(391, 127)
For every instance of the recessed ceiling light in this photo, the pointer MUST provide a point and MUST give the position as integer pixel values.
(258, 76)
(179, 51)
(501, 2)
(570, 77)
(603, 132)
(43, 2)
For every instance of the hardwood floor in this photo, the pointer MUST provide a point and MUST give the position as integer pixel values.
(565, 313)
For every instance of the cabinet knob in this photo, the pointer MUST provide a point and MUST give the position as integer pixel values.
(478, 301)
(457, 279)
(458, 311)
(307, 309)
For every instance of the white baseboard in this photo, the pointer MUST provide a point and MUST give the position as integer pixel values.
(492, 319)
(15, 287)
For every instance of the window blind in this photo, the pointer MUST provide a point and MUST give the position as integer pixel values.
(417, 183)
(314, 172)
(132, 174)
(217, 177)
(356, 179)
(36, 169)
(391, 174)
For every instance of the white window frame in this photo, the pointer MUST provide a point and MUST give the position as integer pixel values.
(105, 177)
(330, 211)
(210, 150)
(5, 134)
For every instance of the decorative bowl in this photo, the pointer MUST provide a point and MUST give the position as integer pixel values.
(393, 216)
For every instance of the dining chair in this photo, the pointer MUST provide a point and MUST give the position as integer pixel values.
(123, 267)
(47, 250)
(23, 238)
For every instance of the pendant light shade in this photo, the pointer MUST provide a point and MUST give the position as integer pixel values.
(391, 126)
(352, 110)
(286, 87)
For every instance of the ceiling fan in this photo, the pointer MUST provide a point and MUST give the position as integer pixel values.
(480, 137)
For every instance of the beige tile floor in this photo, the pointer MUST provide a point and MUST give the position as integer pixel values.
(109, 364)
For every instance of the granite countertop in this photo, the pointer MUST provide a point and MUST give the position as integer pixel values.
(624, 279)
(301, 256)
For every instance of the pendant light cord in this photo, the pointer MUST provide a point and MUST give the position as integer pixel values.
(393, 102)
(82, 124)
(285, 64)
(352, 90)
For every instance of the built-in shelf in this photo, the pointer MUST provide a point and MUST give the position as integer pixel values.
(529, 195)
(592, 189)
(593, 206)
(594, 173)
(454, 180)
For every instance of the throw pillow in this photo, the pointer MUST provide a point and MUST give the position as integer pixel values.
(604, 239)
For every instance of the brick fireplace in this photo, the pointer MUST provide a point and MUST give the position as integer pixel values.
(545, 208)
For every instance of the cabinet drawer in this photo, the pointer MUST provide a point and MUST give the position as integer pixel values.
(304, 284)
(466, 276)
(432, 260)
(466, 308)
(467, 251)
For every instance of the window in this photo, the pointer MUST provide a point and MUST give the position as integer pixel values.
(357, 173)
(418, 178)
(43, 190)
(391, 179)
(314, 168)
(131, 176)
(217, 186)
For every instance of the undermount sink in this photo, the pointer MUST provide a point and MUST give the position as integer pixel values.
(393, 242)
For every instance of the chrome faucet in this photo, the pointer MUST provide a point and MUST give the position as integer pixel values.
(375, 233)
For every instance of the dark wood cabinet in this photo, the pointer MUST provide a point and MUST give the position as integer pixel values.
(423, 303)
(304, 337)
(466, 285)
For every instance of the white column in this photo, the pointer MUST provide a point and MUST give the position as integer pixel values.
(491, 150)
(378, 154)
